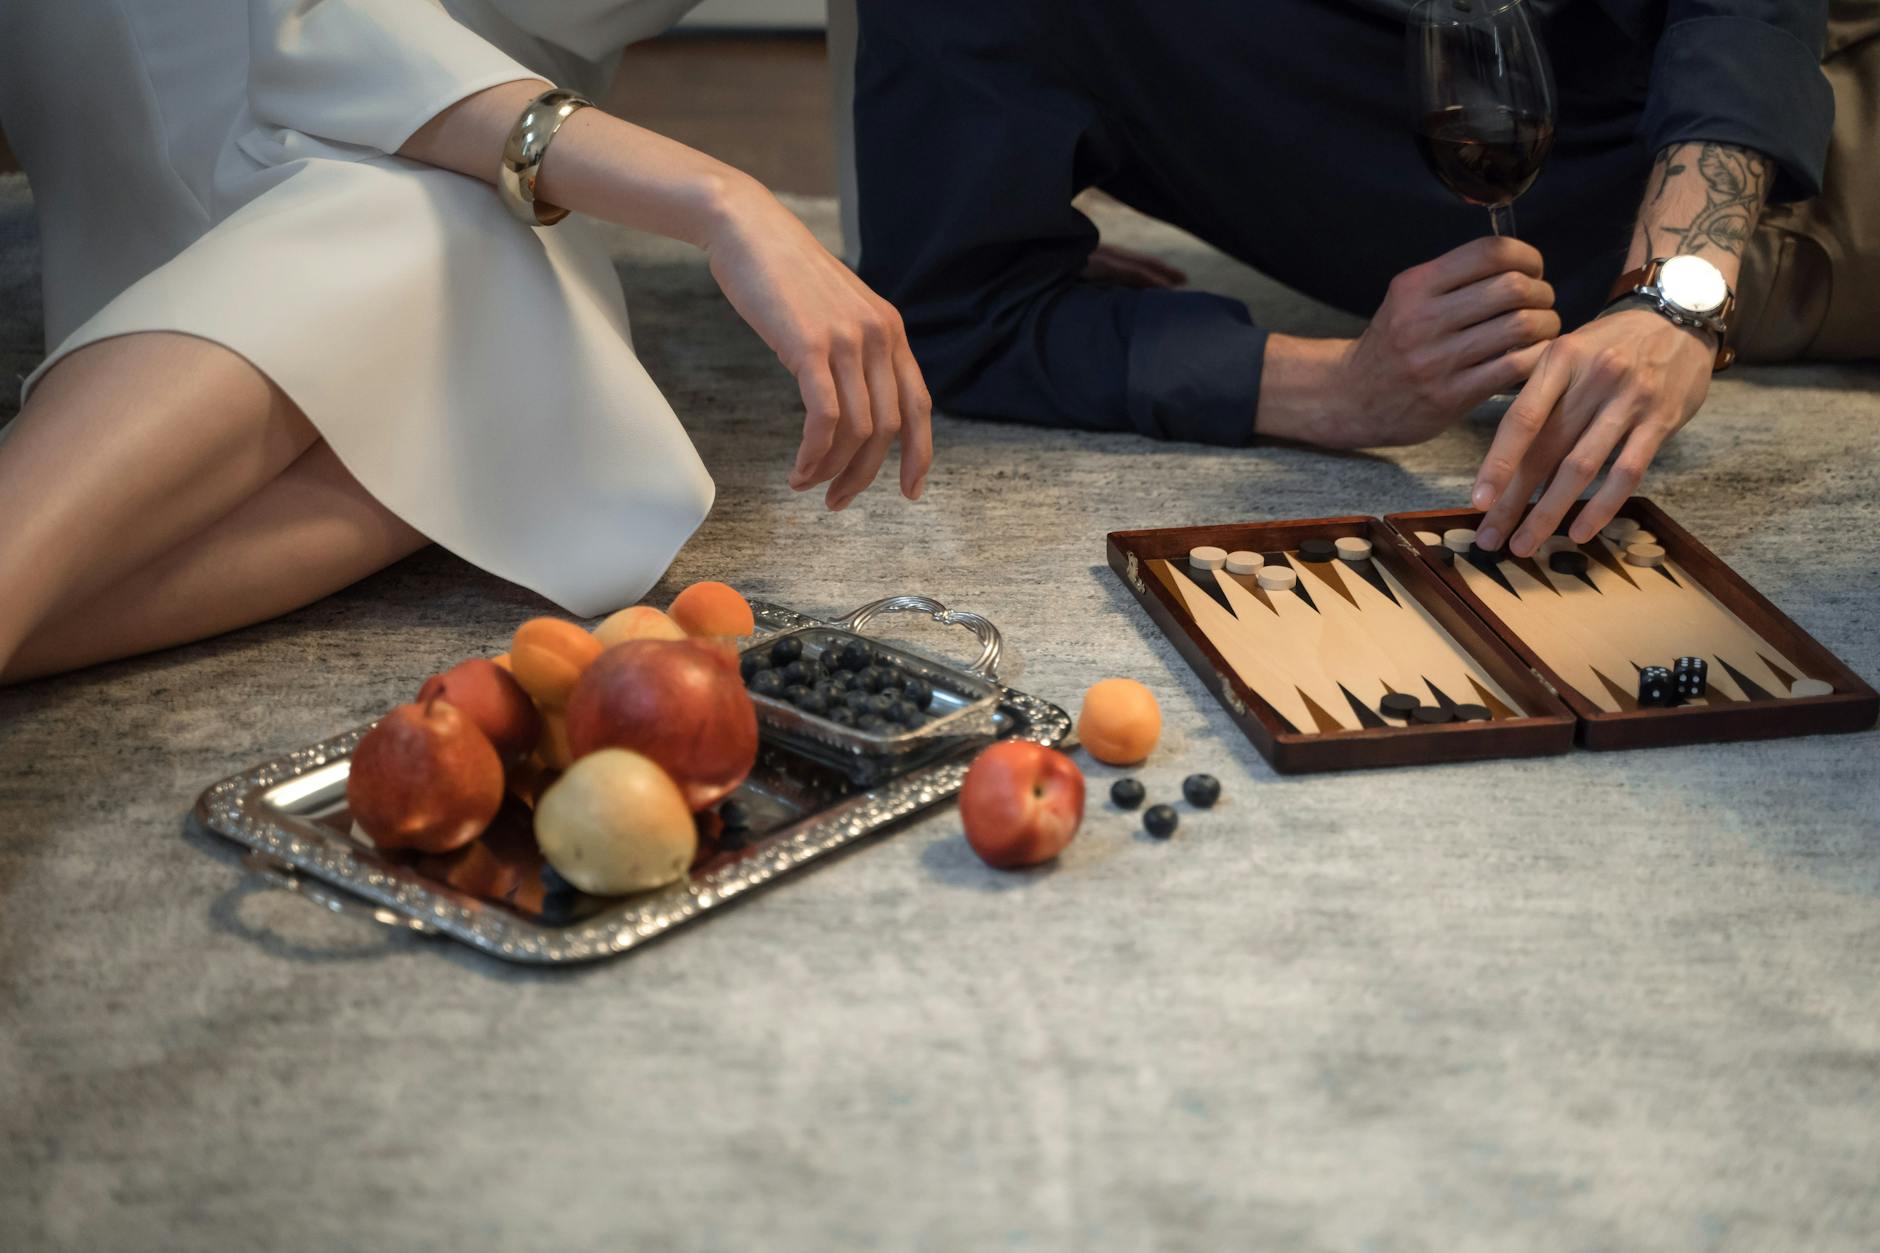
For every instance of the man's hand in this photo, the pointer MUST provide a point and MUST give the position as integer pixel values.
(1625, 381)
(1451, 333)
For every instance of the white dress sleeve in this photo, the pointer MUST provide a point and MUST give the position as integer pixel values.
(364, 73)
(593, 30)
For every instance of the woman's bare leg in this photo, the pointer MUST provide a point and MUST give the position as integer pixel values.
(306, 535)
(127, 448)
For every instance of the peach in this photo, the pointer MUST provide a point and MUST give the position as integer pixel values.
(713, 609)
(548, 656)
(638, 622)
(680, 702)
(616, 823)
(490, 697)
(1120, 722)
(424, 778)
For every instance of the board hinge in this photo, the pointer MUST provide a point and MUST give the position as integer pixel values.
(1132, 571)
(1403, 542)
(1542, 680)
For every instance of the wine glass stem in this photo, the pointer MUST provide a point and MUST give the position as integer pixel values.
(1501, 219)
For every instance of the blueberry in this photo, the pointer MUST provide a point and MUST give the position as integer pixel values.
(854, 655)
(731, 839)
(786, 650)
(919, 692)
(880, 703)
(734, 815)
(827, 690)
(857, 701)
(799, 672)
(872, 678)
(904, 713)
(795, 693)
(767, 683)
(1161, 821)
(751, 663)
(1202, 790)
(872, 724)
(813, 702)
(916, 719)
(1127, 793)
(842, 680)
(842, 715)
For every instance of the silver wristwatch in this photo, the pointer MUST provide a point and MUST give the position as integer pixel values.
(1688, 290)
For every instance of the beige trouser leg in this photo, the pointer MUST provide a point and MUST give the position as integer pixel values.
(1810, 286)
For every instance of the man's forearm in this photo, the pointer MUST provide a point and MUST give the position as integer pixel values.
(1702, 199)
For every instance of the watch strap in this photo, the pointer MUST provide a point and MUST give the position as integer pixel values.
(1641, 281)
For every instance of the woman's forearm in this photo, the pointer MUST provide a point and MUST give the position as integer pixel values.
(598, 164)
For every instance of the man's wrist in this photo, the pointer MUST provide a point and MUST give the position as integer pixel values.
(1303, 387)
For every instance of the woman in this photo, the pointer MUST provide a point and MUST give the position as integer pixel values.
(293, 342)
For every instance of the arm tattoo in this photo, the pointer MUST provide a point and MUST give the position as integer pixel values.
(1736, 180)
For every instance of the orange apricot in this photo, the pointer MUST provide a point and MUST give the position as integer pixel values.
(502, 659)
(638, 622)
(548, 655)
(1120, 722)
(712, 609)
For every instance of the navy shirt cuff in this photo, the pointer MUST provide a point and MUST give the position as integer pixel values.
(1741, 81)
(1194, 367)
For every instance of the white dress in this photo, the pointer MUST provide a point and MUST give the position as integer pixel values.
(221, 168)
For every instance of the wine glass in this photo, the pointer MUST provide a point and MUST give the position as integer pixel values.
(1483, 95)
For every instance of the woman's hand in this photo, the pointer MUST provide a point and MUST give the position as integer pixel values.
(846, 346)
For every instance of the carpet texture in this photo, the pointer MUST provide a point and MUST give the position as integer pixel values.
(1596, 1001)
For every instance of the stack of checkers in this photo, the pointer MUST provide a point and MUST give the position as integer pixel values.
(1638, 546)
(1408, 709)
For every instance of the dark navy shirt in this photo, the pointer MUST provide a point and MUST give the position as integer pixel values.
(1278, 130)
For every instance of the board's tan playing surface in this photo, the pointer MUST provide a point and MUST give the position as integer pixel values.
(1324, 653)
(1597, 629)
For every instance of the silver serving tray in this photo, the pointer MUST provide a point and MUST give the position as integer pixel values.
(291, 814)
(965, 698)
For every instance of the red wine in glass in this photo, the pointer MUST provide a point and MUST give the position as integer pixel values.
(1483, 99)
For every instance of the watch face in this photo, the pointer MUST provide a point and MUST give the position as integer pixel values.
(1692, 284)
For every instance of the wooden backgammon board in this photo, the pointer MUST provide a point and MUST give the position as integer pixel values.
(1361, 641)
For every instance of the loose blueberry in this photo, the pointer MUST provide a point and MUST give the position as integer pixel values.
(767, 683)
(873, 678)
(842, 680)
(904, 713)
(734, 815)
(857, 701)
(873, 724)
(795, 693)
(842, 715)
(1202, 790)
(799, 671)
(786, 650)
(751, 663)
(854, 655)
(827, 690)
(813, 702)
(880, 703)
(1128, 793)
(1160, 821)
(919, 692)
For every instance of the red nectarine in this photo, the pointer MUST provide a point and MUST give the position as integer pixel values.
(490, 697)
(680, 702)
(1021, 803)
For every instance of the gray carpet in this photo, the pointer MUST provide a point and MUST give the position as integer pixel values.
(1593, 1002)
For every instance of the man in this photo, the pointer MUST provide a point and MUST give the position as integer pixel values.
(1279, 131)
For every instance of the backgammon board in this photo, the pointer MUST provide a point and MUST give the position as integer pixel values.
(1363, 641)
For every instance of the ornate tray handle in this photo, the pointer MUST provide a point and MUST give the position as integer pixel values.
(281, 875)
(992, 643)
